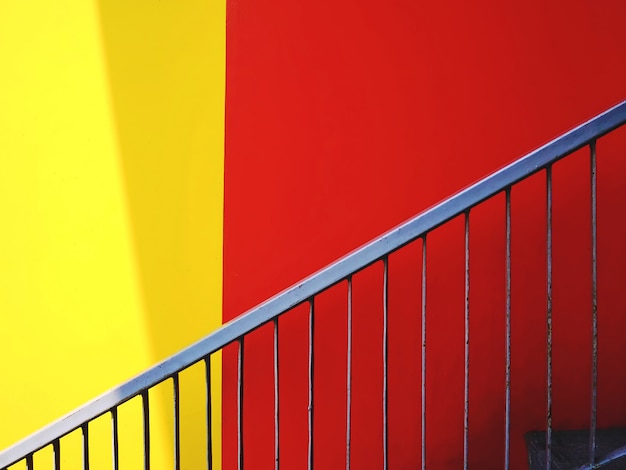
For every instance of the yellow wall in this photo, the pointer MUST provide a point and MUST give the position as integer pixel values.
(111, 182)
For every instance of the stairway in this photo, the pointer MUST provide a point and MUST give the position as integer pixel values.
(570, 449)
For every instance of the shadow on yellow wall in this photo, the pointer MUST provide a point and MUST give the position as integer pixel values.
(111, 141)
(166, 73)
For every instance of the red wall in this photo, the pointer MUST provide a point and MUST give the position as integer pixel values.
(345, 118)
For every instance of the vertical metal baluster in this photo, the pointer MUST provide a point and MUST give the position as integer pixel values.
(85, 430)
(549, 316)
(56, 448)
(349, 376)
(209, 413)
(176, 387)
(594, 310)
(146, 429)
(507, 406)
(240, 404)
(29, 462)
(311, 358)
(385, 360)
(276, 400)
(424, 352)
(115, 439)
(467, 351)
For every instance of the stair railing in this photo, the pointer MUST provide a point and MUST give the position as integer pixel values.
(305, 292)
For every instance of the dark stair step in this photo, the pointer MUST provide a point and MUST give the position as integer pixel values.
(570, 449)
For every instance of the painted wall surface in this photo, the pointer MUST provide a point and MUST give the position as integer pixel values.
(345, 118)
(111, 147)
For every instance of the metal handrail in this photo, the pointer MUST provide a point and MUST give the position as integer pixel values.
(341, 269)
(610, 458)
